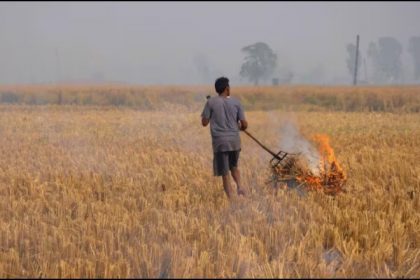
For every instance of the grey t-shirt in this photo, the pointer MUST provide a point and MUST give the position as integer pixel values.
(224, 114)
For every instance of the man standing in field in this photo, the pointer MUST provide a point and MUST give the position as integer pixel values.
(226, 117)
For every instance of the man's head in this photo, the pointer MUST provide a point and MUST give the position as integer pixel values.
(221, 85)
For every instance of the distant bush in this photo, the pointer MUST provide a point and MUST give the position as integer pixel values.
(9, 97)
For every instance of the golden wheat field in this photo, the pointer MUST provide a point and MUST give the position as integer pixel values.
(102, 191)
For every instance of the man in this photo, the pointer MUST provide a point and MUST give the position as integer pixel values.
(226, 117)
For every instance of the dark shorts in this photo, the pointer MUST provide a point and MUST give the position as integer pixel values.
(225, 161)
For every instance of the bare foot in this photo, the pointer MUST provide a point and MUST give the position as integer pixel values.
(241, 192)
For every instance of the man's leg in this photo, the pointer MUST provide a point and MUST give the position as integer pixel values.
(233, 166)
(237, 177)
(227, 186)
(221, 166)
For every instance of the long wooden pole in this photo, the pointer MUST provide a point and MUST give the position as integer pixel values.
(268, 150)
(259, 143)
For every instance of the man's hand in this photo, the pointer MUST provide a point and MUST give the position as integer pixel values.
(205, 121)
(243, 124)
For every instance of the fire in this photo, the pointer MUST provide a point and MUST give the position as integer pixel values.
(330, 178)
(324, 148)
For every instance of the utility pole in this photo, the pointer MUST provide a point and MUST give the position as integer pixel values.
(366, 75)
(58, 77)
(357, 56)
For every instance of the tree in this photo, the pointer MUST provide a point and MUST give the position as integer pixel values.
(386, 60)
(351, 59)
(259, 63)
(414, 49)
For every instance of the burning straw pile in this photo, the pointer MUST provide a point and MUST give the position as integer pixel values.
(297, 170)
(310, 168)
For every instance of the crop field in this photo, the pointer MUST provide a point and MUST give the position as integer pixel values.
(122, 186)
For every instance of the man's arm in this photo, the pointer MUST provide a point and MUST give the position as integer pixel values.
(243, 124)
(206, 114)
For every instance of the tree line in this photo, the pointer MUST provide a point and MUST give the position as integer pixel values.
(384, 58)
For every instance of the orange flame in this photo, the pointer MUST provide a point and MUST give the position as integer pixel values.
(323, 142)
(332, 176)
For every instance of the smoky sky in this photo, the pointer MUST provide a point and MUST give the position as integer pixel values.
(190, 42)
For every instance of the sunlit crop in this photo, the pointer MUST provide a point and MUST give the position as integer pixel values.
(91, 191)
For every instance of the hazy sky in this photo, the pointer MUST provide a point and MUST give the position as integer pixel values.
(164, 42)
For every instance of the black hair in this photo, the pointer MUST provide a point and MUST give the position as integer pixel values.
(221, 84)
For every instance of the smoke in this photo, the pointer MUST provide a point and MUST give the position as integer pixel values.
(293, 142)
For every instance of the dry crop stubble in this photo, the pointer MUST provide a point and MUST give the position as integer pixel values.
(105, 192)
